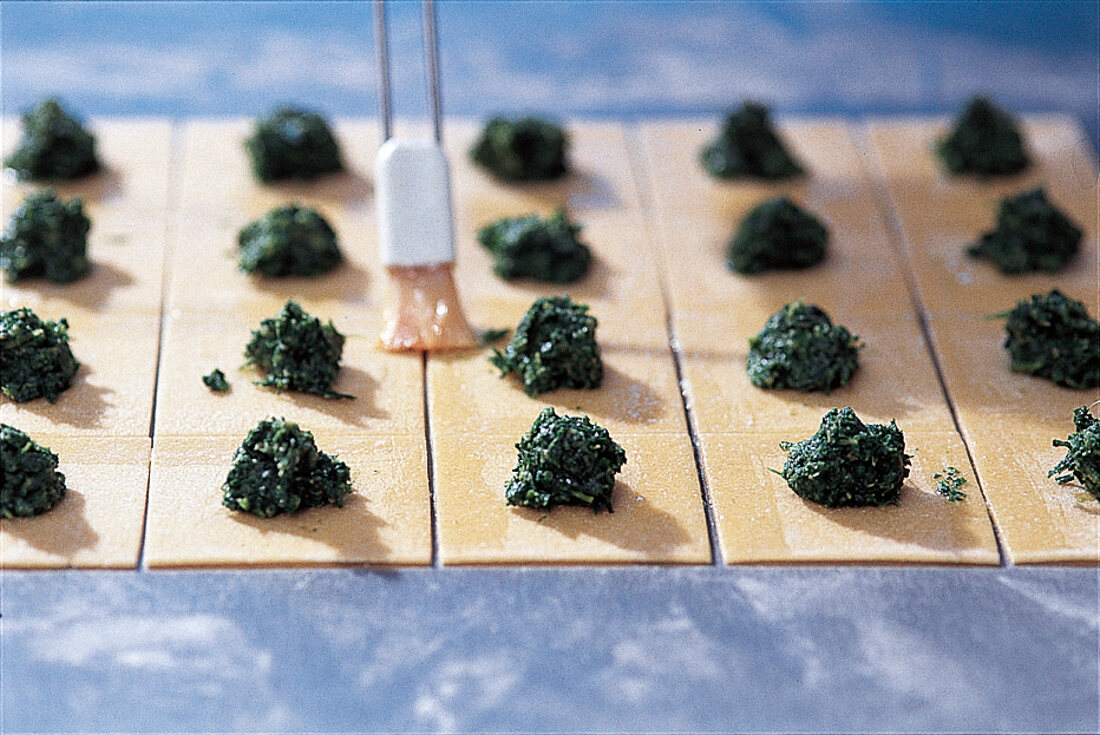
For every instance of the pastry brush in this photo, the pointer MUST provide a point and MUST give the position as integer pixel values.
(416, 232)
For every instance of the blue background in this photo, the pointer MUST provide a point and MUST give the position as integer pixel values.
(627, 58)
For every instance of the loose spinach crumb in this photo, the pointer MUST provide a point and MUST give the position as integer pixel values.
(46, 238)
(54, 145)
(289, 241)
(554, 347)
(292, 144)
(487, 337)
(1031, 235)
(748, 145)
(984, 141)
(215, 381)
(777, 234)
(1054, 337)
(35, 359)
(522, 149)
(565, 460)
(297, 352)
(279, 469)
(1082, 460)
(847, 462)
(949, 484)
(30, 483)
(800, 348)
(531, 247)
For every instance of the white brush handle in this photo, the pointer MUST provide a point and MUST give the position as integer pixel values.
(413, 190)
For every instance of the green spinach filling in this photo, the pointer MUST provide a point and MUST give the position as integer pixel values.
(565, 460)
(54, 145)
(985, 140)
(30, 483)
(775, 235)
(279, 469)
(748, 146)
(847, 462)
(800, 348)
(292, 144)
(35, 359)
(1054, 337)
(296, 352)
(1082, 460)
(522, 149)
(46, 238)
(532, 247)
(553, 347)
(1031, 235)
(288, 241)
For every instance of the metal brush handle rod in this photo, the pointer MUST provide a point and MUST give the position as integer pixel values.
(431, 54)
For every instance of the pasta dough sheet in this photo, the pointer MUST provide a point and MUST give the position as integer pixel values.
(135, 156)
(623, 274)
(1039, 520)
(112, 392)
(896, 378)
(217, 180)
(388, 388)
(385, 521)
(697, 215)
(760, 520)
(987, 395)
(941, 215)
(126, 251)
(467, 396)
(99, 521)
(204, 274)
(600, 178)
(658, 511)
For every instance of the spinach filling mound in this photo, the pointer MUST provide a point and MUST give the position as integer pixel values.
(35, 359)
(847, 462)
(985, 141)
(532, 247)
(522, 149)
(800, 348)
(1031, 235)
(54, 145)
(565, 460)
(749, 146)
(1054, 337)
(1082, 460)
(292, 144)
(279, 469)
(553, 347)
(30, 483)
(777, 234)
(46, 238)
(297, 352)
(288, 241)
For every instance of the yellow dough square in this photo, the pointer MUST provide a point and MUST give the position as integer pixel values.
(760, 520)
(112, 392)
(126, 251)
(986, 393)
(204, 272)
(639, 393)
(896, 378)
(1039, 520)
(600, 178)
(134, 154)
(657, 519)
(388, 388)
(217, 178)
(941, 215)
(98, 522)
(385, 521)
